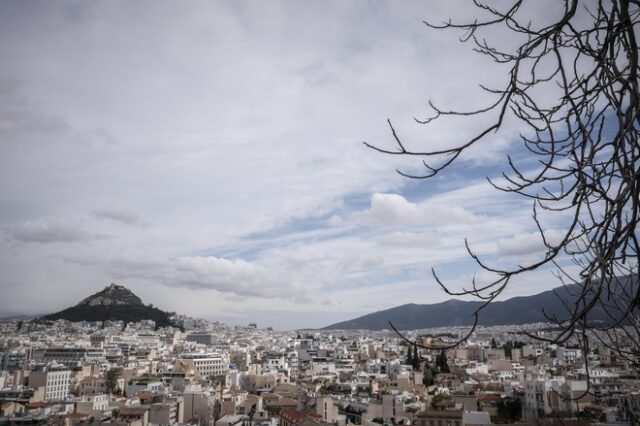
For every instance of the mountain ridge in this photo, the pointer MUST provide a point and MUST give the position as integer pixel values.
(514, 311)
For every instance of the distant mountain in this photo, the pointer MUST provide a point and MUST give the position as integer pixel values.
(16, 317)
(114, 303)
(518, 310)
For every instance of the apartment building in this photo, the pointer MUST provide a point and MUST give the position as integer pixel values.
(56, 383)
(92, 404)
(93, 385)
(71, 357)
(203, 365)
(203, 338)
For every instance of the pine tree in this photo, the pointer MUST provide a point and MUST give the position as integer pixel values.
(416, 358)
(444, 366)
(409, 360)
(508, 347)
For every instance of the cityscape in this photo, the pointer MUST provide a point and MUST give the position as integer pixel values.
(195, 371)
(319, 213)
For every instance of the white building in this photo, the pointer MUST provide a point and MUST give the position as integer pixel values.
(56, 383)
(203, 365)
(538, 391)
(71, 357)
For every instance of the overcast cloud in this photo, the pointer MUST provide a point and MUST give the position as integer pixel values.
(208, 155)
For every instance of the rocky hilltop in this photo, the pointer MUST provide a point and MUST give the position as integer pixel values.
(114, 303)
(112, 295)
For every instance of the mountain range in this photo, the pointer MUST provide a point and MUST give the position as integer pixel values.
(114, 303)
(118, 303)
(515, 311)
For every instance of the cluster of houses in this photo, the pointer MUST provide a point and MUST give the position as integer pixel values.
(212, 374)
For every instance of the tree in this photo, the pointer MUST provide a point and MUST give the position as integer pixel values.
(508, 348)
(416, 358)
(252, 412)
(436, 400)
(442, 362)
(427, 377)
(112, 380)
(510, 409)
(409, 360)
(510, 345)
(572, 85)
(494, 345)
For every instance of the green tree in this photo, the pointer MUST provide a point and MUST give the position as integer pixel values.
(409, 359)
(494, 345)
(510, 409)
(435, 401)
(508, 347)
(416, 358)
(112, 380)
(443, 362)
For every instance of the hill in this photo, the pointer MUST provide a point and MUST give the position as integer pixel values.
(518, 310)
(114, 303)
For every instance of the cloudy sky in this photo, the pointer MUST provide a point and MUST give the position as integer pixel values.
(209, 156)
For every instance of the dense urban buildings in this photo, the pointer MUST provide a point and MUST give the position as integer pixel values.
(208, 373)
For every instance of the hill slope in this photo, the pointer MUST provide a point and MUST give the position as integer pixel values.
(116, 303)
(518, 310)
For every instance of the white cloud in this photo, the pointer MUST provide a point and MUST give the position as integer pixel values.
(335, 220)
(395, 210)
(232, 276)
(392, 209)
(229, 276)
(528, 243)
(410, 239)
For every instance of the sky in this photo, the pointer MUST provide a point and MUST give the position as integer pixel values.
(209, 156)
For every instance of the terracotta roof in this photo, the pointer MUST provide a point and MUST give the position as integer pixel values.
(144, 394)
(252, 398)
(294, 416)
(287, 389)
(269, 395)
